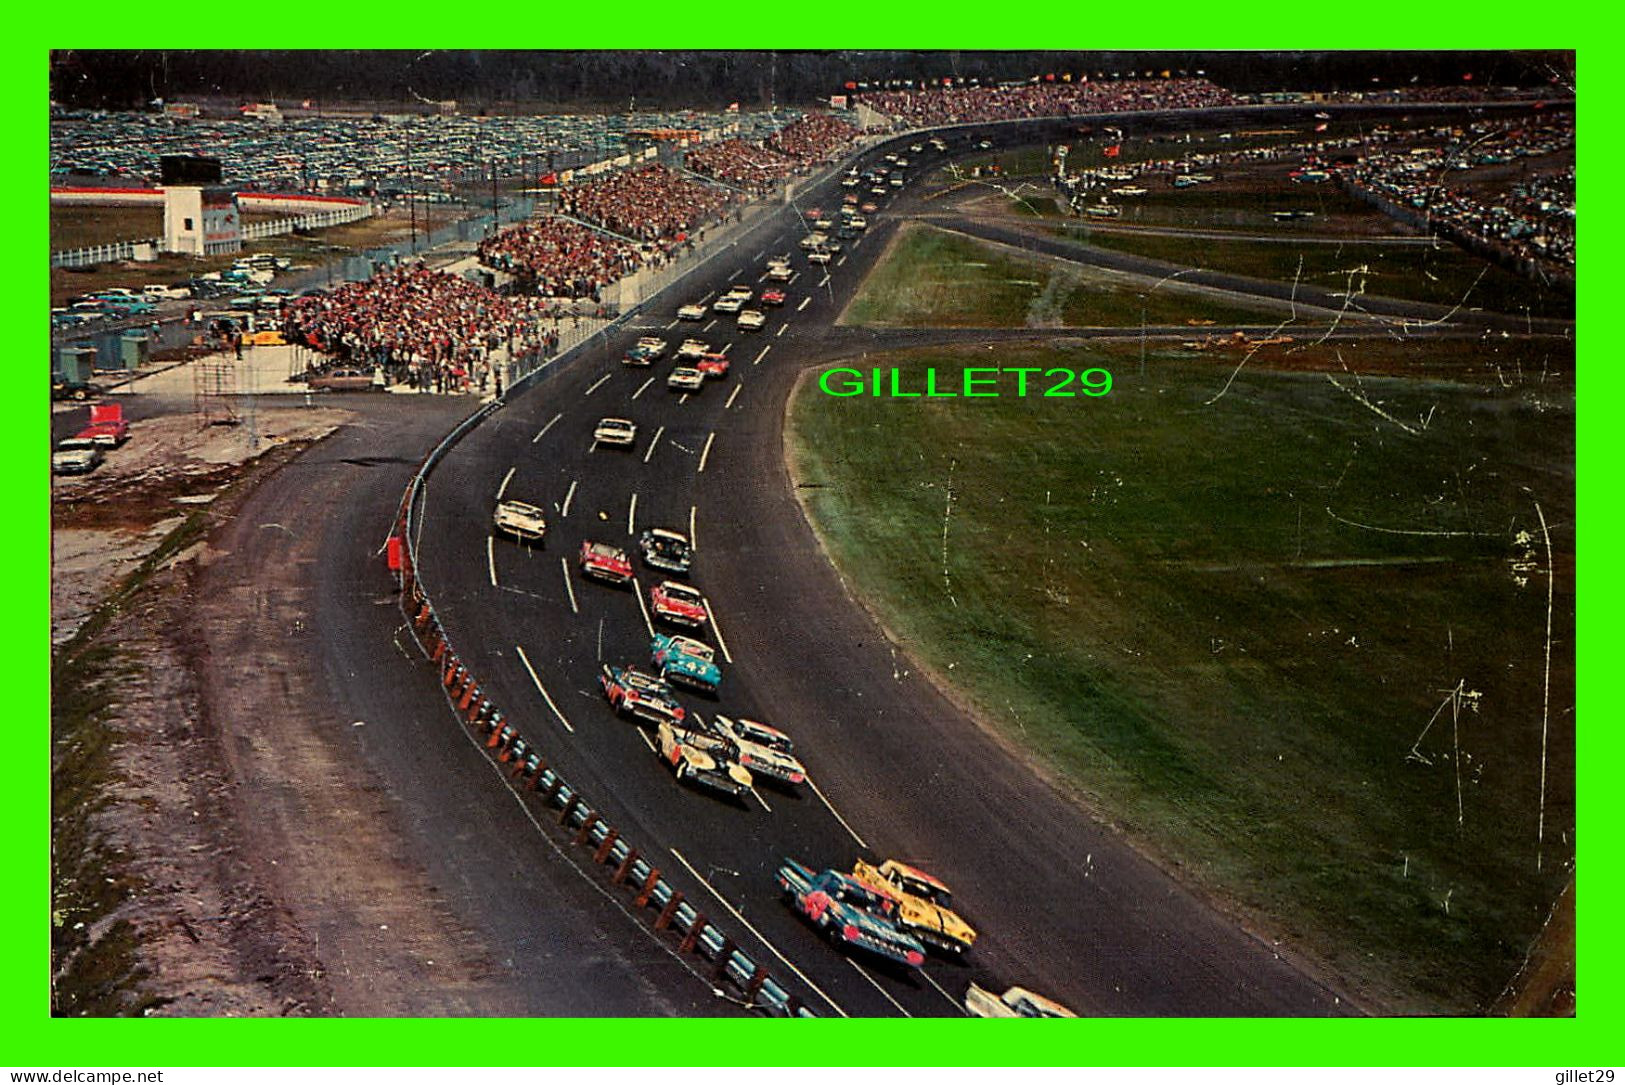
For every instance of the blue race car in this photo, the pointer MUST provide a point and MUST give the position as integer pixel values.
(686, 660)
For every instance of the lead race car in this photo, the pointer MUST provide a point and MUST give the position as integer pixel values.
(686, 660)
(520, 519)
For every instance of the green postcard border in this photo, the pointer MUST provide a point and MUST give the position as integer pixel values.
(38, 1040)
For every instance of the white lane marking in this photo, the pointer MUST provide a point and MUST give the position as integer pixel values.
(758, 359)
(725, 347)
(505, 480)
(682, 399)
(671, 325)
(523, 658)
(594, 386)
(654, 444)
(693, 539)
(794, 275)
(758, 256)
(547, 427)
(642, 386)
(825, 280)
(594, 446)
(711, 325)
(631, 513)
(706, 451)
(781, 330)
(732, 396)
(724, 644)
(647, 741)
(834, 812)
(804, 303)
(841, 261)
(637, 590)
(762, 278)
(568, 495)
(491, 559)
(954, 1001)
(736, 273)
(879, 988)
(771, 947)
(569, 588)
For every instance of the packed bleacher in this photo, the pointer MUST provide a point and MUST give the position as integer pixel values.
(952, 105)
(817, 137)
(745, 165)
(650, 204)
(428, 327)
(558, 258)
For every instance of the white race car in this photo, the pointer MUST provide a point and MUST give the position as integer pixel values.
(751, 320)
(520, 519)
(684, 379)
(691, 312)
(616, 431)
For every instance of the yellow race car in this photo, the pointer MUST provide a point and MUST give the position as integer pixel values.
(924, 911)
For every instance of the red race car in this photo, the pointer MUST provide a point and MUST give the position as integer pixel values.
(605, 562)
(678, 604)
(713, 365)
(772, 297)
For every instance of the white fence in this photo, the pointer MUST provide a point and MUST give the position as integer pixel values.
(127, 250)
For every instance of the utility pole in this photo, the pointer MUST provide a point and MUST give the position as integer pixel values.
(411, 192)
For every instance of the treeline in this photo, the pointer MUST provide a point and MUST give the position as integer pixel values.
(692, 79)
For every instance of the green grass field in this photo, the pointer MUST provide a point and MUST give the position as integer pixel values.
(934, 278)
(1442, 274)
(1233, 625)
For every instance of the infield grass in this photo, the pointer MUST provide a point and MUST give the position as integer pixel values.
(1233, 624)
(935, 278)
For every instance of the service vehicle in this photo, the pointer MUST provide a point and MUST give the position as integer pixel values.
(107, 428)
(621, 432)
(1016, 1002)
(923, 908)
(632, 693)
(522, 520)
(691, 312)
(601, 561)
(685, 379)
(848, 912)
(766, 751)
(686, 661)
(751, 320)
(703, 760)
(340, 380)
(678, 604)
(713, 365)
(666, 549)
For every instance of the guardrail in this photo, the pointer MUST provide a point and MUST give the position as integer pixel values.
(531, 775)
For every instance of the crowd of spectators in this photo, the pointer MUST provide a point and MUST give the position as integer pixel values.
(557, 258)
(426, 327)
(952, 105)
(746, 165)
(817, 137)
(1530, 219)
(650, 204)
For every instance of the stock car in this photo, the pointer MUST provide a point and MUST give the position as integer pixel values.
(818, 256)
(616, 431)
(638, 355)
(924, 905)
(1016, 1002)
(848, 912)
(728, 303)
(751, 320)
(678, 604)
(766, 751)
(655, 345)
(691, 312)
(601, 561)
(684, 379)
(520, 519)
(632, 693)
(692, 348)
(773, 297)
(666, 549)
(713, 365)
(702, 759)
(780, 273)
(686, 660)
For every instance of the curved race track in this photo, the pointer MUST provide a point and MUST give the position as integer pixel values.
(1062, 904)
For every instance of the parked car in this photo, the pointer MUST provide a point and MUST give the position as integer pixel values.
(75, 458)
(341, 380)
